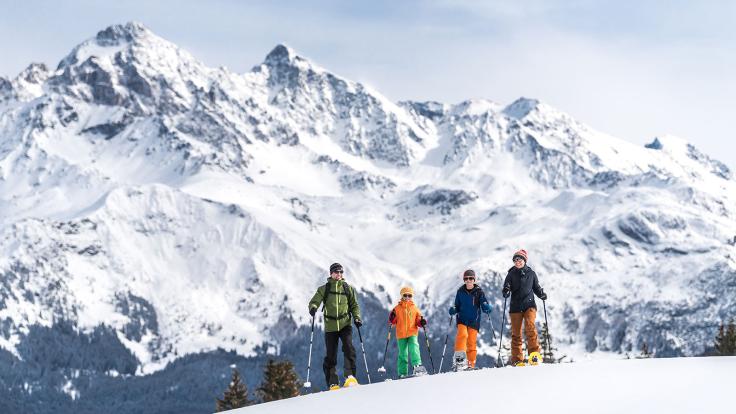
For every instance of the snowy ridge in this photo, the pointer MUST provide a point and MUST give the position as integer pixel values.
(192, 208)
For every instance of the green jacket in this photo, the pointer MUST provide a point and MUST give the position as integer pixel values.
(338, 307)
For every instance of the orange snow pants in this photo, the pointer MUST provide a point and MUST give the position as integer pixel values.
(530, 330)
(465, 341)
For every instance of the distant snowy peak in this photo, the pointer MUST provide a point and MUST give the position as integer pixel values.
(27, 85)
(686, 155)
(35, 73)
(283, 56)
(363, 122)
(521, 107)
(109, 40)
(128, 65)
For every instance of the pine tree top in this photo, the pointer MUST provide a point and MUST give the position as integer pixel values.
(235, 396)
(279, 381)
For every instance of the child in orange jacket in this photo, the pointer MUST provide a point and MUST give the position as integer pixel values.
(408, 319)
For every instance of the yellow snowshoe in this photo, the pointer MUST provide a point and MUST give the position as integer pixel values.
(535, 358)
(334, 387)
(350, 381)
(519, 364)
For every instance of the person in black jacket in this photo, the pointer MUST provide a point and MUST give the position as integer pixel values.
(522, 284)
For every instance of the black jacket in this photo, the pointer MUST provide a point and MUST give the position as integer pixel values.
(522, 283)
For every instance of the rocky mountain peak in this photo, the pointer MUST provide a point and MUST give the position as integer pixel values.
(35, 73)
(122, 33)
(281, 55)
(655, 145)
(521, 107)
(284, 64)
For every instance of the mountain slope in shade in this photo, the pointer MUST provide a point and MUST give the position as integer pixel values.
(185, 209)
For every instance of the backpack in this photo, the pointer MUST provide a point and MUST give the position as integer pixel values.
(345, 291)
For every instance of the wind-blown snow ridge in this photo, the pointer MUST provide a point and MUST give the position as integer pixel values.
(133, 169)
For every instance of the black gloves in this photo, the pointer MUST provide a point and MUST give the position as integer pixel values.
(506, 291)
(312, 311)
(358, 322)
(543, 296)
(392, 317)
(422, 322)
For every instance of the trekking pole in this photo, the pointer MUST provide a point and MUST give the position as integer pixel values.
(549, 345)
(445, 347)
(493, 330)
(503, 322)
(426, 338)
(382, 369)
(309, 359)
(364, 358)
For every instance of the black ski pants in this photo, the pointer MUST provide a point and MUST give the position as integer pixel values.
(329, 366)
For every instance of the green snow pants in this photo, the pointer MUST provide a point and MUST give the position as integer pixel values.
(408, 346)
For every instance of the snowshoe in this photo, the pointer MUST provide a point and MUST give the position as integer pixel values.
(420, 371)
(459, 362)
(350, 381)
(519, 364)
(535, 358)
(334, 387)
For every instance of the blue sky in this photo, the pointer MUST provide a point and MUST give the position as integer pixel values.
(634, 69)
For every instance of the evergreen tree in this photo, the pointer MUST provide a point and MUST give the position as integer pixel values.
(236, 395)
(726, 339)
(279, 381)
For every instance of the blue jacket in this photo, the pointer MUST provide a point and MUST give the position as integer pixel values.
(468, 306)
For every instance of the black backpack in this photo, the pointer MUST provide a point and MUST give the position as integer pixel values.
(345, 292)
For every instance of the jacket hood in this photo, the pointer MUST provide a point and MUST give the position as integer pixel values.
(475, 286)
(406, 303)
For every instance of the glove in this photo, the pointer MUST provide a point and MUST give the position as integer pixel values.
(506, 292)
(453, 311)
(485, 307)
(543, 296)
(358, 322)
(312, 311)
(422, 322)
(392, 317)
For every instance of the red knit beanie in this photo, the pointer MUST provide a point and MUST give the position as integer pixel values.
(520, 253)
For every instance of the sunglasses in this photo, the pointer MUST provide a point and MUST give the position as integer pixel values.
(518, 259)
(407, 296)
(468, 278)
(338, 271)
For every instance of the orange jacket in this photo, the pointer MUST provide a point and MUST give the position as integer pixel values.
(406, 320)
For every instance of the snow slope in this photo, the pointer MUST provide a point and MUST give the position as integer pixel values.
(672, 386)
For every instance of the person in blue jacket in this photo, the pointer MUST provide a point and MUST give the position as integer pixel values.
(469, 302)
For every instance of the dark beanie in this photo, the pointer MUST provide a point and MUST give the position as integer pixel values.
(335, 267)
(469, 272)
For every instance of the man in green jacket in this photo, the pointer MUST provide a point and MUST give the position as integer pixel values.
(340, 304)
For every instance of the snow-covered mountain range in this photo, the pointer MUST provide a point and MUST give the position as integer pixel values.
(189, 208)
